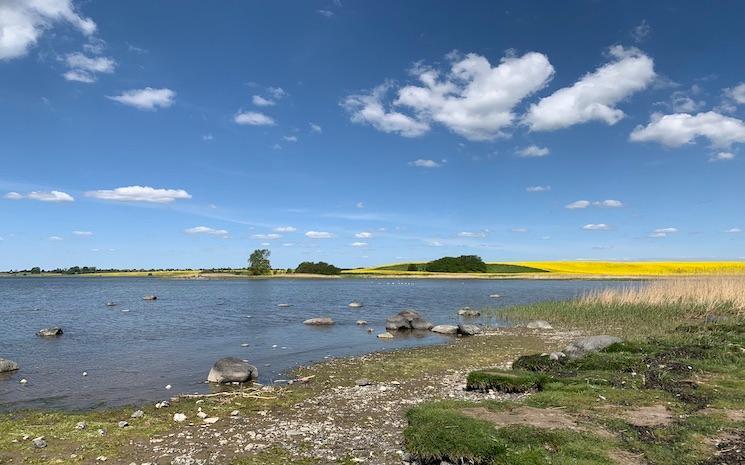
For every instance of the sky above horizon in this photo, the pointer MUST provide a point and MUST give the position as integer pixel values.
(157, 134)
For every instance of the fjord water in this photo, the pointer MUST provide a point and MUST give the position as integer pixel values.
(131, 351)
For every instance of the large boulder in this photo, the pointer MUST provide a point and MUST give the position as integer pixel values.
(445, 329)
(232, 370)
(585, 345)
(7, 365)
(323, 321)
(407, 319)
(50, 332)
(469, 330)
(539, 324)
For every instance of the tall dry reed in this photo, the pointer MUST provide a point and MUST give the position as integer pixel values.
(706, 293)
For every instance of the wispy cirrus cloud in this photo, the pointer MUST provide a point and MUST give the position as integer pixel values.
(253, 118)
(319, 235)
(41, 196)
(205, 230)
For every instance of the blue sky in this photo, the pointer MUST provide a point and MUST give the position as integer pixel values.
(151, 134)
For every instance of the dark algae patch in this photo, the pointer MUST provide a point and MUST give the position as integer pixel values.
(675, 399)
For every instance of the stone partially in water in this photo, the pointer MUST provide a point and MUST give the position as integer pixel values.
(7, 365)
(469, 330)
(407, 319)
(323, 321)
(232, 370)
(385, 335)
(150, 297)
(361, 322)
(50, 332)
(355, 304)
(420, 323)
(469, 312)
(445, 329)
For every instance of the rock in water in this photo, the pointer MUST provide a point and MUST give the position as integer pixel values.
(323, 321)
(469, 312)
(361, 322)
(469, 330)
(420, 323)
(385, 335)
(7, 365)
(445, 329)
(232, 370)
(150, 297)
(585, 345)
(407, 319)
(539, 324)
(283, 305)
(50, 332)
(355, 304)
(495, 296)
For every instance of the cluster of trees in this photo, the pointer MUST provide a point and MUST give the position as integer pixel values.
(462, 264)
(317, 268)
(259, 264)
(71, 270)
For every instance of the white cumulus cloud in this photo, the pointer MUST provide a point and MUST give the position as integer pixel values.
(146, 99)
(472, 98)
(578, 204)
(359, 244)
(363, 235)
(733, 231)
(737, 93)
(84, 68)
(663, 232)
(533, 151)
(679, 129)
(267, 237)
(595, 95)
(422, 163)
(260, 101)
(722, 156)
(140, 194)
(253, 118)
(23, 22)
(319, 235)
(206, 230)
(285, 229)
(596, 227)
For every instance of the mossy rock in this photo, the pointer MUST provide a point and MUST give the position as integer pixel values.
(505, 381)
(537, 363)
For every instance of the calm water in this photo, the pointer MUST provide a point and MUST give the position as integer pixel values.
(132, 351)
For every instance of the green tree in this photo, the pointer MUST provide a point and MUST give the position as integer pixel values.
(462, 264)
(412, 267)
(317, 268)
(258, 262)
(36, 270)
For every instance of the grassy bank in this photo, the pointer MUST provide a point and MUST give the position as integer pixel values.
(672, 394)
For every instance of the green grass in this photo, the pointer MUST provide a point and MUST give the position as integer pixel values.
(504, 381)
(685, 373)
(629, 321)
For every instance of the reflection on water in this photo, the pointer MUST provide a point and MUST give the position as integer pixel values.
(131, 351)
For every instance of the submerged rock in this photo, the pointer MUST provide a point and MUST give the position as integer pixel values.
(50, 332)
(232, 370)
(150, 297)
(7, 365)
(445, 329)
(322, 321)
(539, 324)
(585, 345)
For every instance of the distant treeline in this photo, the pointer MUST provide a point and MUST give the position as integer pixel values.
(317, 268)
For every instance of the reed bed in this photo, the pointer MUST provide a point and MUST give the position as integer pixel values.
(636, 311)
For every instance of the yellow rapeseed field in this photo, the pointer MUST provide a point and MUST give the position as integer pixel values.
(639, 268)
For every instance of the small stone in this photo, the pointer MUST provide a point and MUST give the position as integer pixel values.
(23, 381)
(445, 329)
(202, 415)
(123, 424)
(137, 414)
(322, 321)
(363, 382)
(85, 373)
(162, 404)
(235, 413)
(39, 442)
(101, 432)
(557, 355)
(385, 335)
(50, 332)
(244, 345)
(168, 387)
(179, 417)
(539, 324)
(81, 425)
(210, 420)
(361, 322)
(101, 458)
